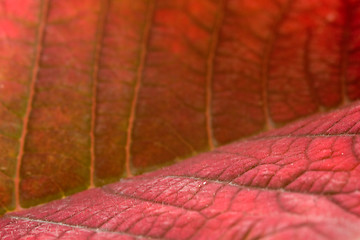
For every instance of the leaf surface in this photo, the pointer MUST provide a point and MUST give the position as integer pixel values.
(91, 91)
(299, 182)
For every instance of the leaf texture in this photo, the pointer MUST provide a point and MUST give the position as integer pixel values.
(299, 182)
(92, 91)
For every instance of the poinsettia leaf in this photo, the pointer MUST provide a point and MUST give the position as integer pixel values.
(298, 182)
(93, 90)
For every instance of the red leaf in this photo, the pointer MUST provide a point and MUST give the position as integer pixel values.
(95, 90)
(298, 182)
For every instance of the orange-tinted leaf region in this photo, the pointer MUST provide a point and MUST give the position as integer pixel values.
(95, 90)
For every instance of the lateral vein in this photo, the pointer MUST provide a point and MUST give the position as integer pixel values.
(139, 75)
(97, 55)
(35, 70)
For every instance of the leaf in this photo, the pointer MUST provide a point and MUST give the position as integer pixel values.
(91, 91)
(299, 182)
